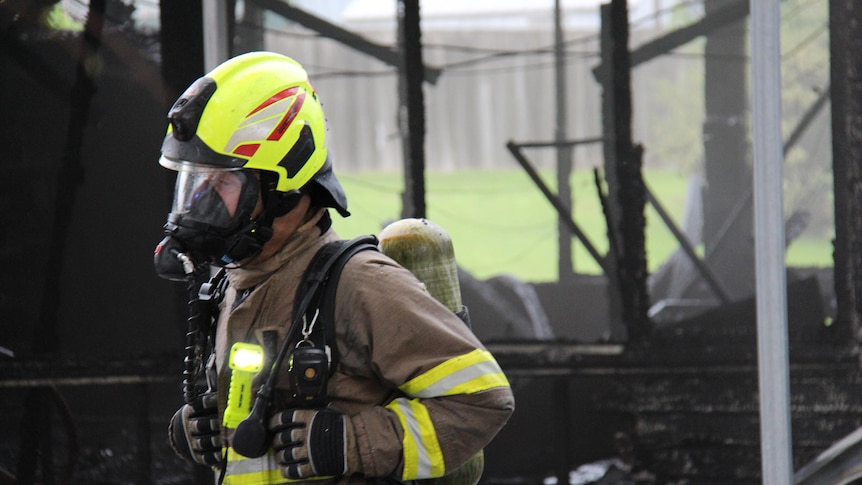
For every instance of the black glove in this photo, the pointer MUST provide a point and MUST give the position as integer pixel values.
(195, 431)
(313, 443)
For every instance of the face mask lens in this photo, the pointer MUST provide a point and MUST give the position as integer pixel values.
(213, 197)
(226, 186)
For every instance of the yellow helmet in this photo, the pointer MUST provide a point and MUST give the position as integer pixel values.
(250, 130)
(255, 111)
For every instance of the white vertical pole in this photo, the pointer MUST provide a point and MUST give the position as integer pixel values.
(772, 344)
(215, 33)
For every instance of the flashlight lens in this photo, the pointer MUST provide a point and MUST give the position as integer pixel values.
(246, 357)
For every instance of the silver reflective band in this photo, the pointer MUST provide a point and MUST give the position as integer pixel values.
(423, 460)
(445, 385)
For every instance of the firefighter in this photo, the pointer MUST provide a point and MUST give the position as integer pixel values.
(413, 395)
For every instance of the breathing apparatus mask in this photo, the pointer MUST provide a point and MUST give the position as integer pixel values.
(250, 131)
(211, 219)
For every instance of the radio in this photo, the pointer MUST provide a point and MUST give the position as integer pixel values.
(309, 373)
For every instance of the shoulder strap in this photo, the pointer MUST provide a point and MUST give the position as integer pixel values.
(327, 302)
(320, 281)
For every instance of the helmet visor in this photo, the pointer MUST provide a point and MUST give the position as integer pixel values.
(222, 199)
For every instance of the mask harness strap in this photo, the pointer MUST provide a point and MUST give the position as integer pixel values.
(250, 239)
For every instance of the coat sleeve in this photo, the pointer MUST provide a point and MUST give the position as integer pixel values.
(447, 395)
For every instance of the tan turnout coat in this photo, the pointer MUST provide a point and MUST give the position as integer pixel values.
(389, 330)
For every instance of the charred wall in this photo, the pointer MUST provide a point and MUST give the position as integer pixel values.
(119, 327)
(684, 406)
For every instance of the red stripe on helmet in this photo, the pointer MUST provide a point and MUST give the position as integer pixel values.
(247, 150)
(275, 98)
(281, 128)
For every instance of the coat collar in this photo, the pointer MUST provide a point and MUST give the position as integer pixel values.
(256, 271)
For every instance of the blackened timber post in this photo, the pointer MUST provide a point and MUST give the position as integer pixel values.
(411, 112)
(626, 189)
(564, 152)
(845, 19)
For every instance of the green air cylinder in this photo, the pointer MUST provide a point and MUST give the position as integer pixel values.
(426, 250)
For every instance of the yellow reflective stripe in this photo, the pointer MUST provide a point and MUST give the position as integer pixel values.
(466, 374)
(423, 457)
(241, 470)
(252, 471)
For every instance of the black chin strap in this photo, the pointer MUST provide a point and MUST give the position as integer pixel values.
(247, 241)
(250, 239)
(280, 203)
(275, 203)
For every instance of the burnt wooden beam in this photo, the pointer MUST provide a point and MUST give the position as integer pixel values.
(841, 463)
(686, 246)
(562, 211)
(69, 177)
(670, 41)
(355, 41)
(181, 43)
(411, 116)
(50, 371)
(845, 19)
(626, 189)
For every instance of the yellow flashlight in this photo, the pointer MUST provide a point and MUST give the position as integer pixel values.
(245, 361)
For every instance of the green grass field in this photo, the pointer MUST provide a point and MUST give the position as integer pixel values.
(500, 222)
